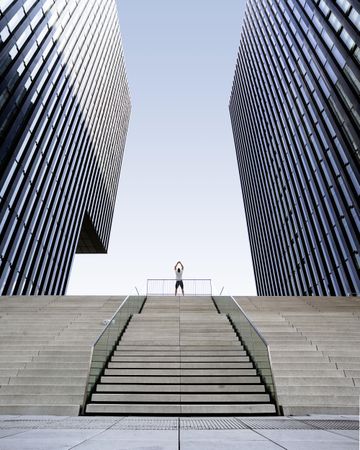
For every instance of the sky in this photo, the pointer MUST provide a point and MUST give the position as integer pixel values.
(179, 195)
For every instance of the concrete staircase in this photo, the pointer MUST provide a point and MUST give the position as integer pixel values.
(315, 350)
(179, 356)
(45, 346)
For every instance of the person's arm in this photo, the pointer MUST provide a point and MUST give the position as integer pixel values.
(181, 264)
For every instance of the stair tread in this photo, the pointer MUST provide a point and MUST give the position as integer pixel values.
(193, 363)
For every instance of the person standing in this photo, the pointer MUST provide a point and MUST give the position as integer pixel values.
(179, 269)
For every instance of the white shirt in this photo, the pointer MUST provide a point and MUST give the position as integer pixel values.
(179, 274)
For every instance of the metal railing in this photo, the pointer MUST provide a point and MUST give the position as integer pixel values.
(166, 286)
(104, 345)
(253, 341)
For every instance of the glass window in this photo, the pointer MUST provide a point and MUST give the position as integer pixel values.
(312, 39)
(357, 54)
(334, 22)
(36, 19)
(340, 151)
(344, 96)
(30, 53)
(344, 5)
(5, 4)
(309, 10)
(355, 18)
(13, 52)
(28, 5)
(4, 33)
(327, 39)
(355, 81)
(338, 56)
(336, 110)
(347, 39)
(324, 87)
(330, 72)
(324, 8)
(321, 55)
(16, 19)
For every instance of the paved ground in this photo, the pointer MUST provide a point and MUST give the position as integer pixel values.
(169, 433)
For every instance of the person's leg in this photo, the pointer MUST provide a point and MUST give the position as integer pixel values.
(182, 287)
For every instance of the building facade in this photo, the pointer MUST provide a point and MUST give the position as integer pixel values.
(295, 115)
(64, 113)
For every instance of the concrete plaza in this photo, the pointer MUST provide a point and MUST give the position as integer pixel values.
(173, 433)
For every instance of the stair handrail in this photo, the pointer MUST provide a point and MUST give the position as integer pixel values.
(97, 340)
(258, 332)
(165, 289)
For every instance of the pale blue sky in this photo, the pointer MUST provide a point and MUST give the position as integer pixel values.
(179, 193)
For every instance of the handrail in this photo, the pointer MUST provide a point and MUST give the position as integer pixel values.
(109, 323)
(258, 332)
(166, 286)
(99, 365)
(272, 386)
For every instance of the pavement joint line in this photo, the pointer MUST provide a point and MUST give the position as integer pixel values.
(96, 434)
(267, 438)
(243, 423)
(16, 433)
(327, 430)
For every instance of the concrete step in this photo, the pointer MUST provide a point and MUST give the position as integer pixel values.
(297, 373)
(177, 398)
(301, 366)
(178, 365)
(83, 366)
(182, 372)
(355, 366)
(193, 353)
(40, 410)
(136, 398)
(318, 390)
(183, 388)
(319, 400)
(243, 409)
(31, 389)
(51, 372)
(146, 379)
(209, 349)
(43, 380)
(125, 409)
(345, 359)
(40, 399)
(342, 410)
(352, 373)
(178, 358)
(312, 381)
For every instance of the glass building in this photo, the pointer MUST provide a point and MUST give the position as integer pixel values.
(295, 116)
(64, 113)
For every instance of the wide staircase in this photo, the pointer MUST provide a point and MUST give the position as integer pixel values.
(45, 350)
(315, 350)
(180, 356)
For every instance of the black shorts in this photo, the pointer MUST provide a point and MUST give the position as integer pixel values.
(179, 283)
